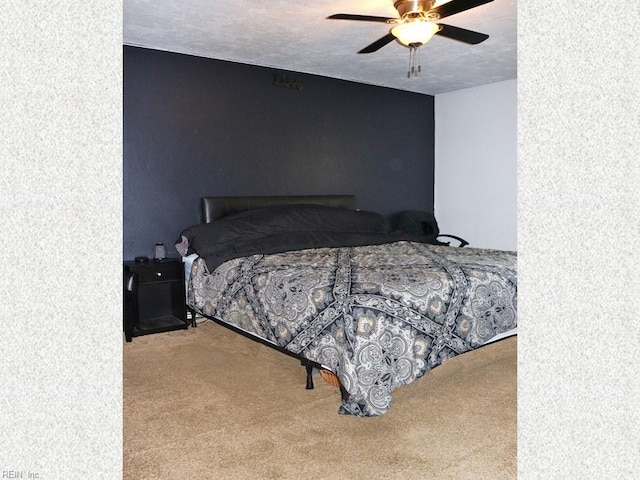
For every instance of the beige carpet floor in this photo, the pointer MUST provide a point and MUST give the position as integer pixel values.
(206, 403)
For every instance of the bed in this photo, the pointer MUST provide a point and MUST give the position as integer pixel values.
(334, 286)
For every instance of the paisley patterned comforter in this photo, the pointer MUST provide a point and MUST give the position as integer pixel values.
(379, 316)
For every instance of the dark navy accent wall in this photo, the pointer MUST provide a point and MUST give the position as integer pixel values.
(195, 127)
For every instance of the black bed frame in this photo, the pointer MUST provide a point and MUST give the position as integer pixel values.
(212, 208)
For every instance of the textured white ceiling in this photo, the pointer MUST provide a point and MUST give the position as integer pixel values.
(295, 35)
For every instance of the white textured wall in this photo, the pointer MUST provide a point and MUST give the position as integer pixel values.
(476, 164)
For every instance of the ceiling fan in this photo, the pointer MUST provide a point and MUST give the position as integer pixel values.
(417, 23)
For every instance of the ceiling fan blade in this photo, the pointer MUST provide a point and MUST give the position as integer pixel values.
(362, 18)
(378, 44)
(457, 6)
(461, 34)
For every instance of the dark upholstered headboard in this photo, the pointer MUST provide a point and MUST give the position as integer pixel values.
(216, 207)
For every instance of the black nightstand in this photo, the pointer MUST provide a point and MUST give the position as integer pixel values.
(154, 297)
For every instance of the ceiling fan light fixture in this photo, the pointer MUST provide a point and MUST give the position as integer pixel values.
(415, 32)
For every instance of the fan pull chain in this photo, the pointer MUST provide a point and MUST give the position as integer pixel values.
(414, 60)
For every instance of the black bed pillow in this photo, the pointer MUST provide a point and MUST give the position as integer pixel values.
(427, 228)
(254, 224)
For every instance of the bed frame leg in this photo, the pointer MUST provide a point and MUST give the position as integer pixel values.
(192, 315)
(309, 375)
(344, 394)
